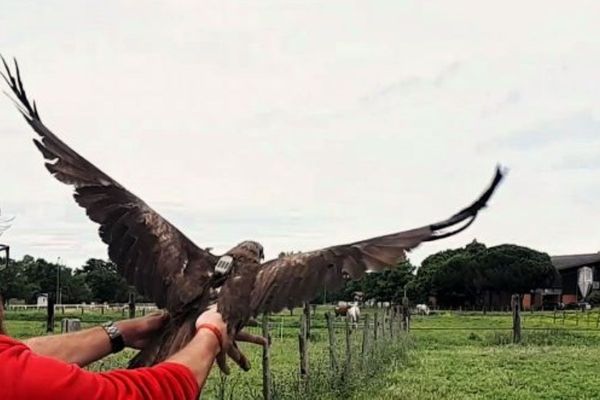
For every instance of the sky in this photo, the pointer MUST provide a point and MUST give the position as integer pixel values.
(304, 124)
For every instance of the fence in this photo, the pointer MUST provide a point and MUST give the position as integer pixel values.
(79, 307)
(352, 352)
(571, 320)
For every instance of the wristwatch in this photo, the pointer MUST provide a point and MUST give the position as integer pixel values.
(114, 334)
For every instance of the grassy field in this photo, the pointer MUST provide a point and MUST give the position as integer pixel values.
(555, 361)
(445, 356)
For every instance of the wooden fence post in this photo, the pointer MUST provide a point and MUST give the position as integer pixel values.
(576, 318)
(348, 363)
(563, 317)
(516, 306)
(391, 325)
(383, 325)
(50, 315)
(131, 305)
(365, 338)
(302, 347)
(375, 328)
(266, 368)
(307, 315)
(406, 313)
(332, 354)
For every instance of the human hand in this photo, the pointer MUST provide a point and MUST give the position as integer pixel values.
(138, 332)
(229, 347)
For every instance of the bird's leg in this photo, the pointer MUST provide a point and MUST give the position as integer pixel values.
(237, 356)
(232, 350)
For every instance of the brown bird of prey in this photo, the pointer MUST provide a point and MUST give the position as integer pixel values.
(185, 279)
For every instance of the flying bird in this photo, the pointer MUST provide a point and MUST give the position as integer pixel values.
(184, 278)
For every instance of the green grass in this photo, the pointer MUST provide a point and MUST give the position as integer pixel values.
(446, 356)
(468, 362)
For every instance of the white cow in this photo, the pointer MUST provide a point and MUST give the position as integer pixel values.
(353, 315)
(423, 309)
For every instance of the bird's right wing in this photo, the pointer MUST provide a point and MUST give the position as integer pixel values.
(290, 280)
(149, 252)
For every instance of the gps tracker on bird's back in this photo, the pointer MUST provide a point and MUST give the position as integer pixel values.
(224, 265)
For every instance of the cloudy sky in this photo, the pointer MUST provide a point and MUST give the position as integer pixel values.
(303, 124)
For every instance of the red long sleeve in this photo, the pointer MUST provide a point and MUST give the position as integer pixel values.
(25, 375)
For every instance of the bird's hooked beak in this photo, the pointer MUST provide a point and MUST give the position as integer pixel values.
(261, 256)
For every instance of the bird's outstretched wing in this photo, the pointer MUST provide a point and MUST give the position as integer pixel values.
(290, 280)
(150, 253)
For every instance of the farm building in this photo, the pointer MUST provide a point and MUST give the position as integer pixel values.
(566, 290)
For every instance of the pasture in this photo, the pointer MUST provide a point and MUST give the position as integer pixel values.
(447, 355)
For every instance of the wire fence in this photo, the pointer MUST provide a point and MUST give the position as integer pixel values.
(345, 350)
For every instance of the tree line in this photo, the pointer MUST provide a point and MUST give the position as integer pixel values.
(96, 281)
(470, 275)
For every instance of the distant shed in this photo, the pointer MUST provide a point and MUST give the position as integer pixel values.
(568, 265)
(565, 290)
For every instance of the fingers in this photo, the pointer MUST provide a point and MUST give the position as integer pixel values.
(151, 323)
(237, 356)
(158, 319)
(248, 338)
(222, 363)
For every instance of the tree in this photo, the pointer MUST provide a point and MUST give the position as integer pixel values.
(76, 290)
(104, 281)
(13, 283)
(471, 275)
(387, 285)
(516, 269)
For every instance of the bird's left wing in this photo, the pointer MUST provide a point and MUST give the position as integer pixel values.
(150, 252)
(290, 280)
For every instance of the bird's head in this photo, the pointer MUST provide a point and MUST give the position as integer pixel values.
(249, 250)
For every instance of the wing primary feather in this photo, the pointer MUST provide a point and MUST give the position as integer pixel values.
(469, 212)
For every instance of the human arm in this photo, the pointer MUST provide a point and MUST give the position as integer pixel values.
(89, 345)
(26, 375)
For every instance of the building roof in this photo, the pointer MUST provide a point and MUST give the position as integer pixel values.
(575, 260)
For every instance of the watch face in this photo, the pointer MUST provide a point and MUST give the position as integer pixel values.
(111, 330)
(116, 339)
